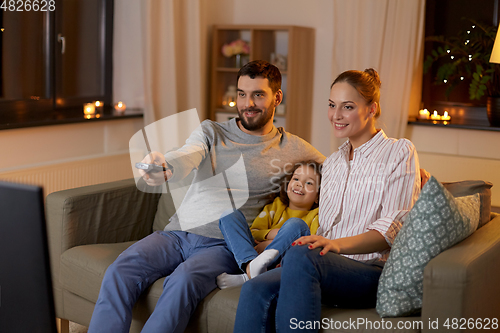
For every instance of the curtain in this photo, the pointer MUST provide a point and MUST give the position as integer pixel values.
(159, 57)
(386, 35)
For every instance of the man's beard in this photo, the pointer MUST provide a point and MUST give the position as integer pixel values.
(257, 122)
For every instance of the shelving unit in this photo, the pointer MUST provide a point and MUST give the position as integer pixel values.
(295, 43)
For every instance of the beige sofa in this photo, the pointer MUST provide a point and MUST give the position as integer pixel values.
(90, 226)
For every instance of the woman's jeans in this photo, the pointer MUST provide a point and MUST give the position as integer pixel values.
(303, 283)
(241, 243)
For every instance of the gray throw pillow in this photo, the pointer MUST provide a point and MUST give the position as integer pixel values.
(436, 222)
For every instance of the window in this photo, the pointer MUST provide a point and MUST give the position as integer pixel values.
(51, 62)
(444, 17)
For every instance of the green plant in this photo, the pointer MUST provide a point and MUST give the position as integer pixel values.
(467, 56)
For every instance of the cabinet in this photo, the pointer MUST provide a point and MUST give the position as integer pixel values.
(293, 44)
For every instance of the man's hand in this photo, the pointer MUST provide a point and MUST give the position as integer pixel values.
(155, 178)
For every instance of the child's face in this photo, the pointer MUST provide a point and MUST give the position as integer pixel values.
(303, 188)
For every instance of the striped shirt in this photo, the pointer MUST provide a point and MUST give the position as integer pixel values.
(373, 192)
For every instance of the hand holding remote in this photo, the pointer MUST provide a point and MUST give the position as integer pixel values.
(150, 174)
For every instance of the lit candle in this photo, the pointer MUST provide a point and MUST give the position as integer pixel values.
(435, 116)
(89, 110)
(445, 116)
(120, 107)
(423, 114)
(99, 106)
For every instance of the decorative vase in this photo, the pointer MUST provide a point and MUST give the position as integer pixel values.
(240, 60)
(237, 63)
(493, 110)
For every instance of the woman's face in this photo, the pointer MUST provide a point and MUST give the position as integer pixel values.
(351, 117)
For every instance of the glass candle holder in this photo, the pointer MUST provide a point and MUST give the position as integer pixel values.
(229, 99)
(89, 110)
(99, 107)
(120, 107)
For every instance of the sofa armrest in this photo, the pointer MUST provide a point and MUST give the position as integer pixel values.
(462, 282)
(104, 213)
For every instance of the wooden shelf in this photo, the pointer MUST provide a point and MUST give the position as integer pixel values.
(227, 69)
(293, 42)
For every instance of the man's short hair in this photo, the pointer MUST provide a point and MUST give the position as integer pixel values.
(261, 68)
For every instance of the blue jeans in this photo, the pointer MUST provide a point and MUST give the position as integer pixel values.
(191, 264)
(241, 243)
(305, 281)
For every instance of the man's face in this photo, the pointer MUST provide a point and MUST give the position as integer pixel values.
(256, 103)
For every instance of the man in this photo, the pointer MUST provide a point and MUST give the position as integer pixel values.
(191, 260)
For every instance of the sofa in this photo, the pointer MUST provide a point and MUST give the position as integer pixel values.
(89, 227)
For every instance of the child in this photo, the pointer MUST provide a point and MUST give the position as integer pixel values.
(293, 214)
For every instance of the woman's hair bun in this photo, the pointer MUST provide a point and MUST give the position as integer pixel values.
(376, 78)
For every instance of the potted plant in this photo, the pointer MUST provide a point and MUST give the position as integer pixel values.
(467, 56)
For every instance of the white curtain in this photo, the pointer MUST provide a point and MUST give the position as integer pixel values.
(386, 35)
(159, 57)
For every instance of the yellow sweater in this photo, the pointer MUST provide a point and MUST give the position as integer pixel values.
(275, 214)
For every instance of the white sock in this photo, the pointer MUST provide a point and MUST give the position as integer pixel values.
(259, 264)
(227, 280)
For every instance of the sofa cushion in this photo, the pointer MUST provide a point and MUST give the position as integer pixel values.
(436, 222)
(83, 267)
(222, 313)
(469, 187)
(82, 271)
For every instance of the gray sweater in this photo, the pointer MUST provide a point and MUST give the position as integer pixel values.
(221, 168)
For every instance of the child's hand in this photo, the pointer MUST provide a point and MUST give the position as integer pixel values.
(271, 234)
(315, 241)
(261, 246)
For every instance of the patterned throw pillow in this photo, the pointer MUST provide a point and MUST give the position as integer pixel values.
(436, 222)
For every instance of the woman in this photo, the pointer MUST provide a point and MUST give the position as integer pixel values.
(368, 187)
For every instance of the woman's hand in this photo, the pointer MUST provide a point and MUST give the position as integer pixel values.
(424, 177)
(315, 241)
(367, 242)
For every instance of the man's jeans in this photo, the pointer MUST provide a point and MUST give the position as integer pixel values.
(303, 283)
(191, 264)
(240, 241)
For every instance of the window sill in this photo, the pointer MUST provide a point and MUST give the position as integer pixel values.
(59, 117)
(454, 124)
(462, 116)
